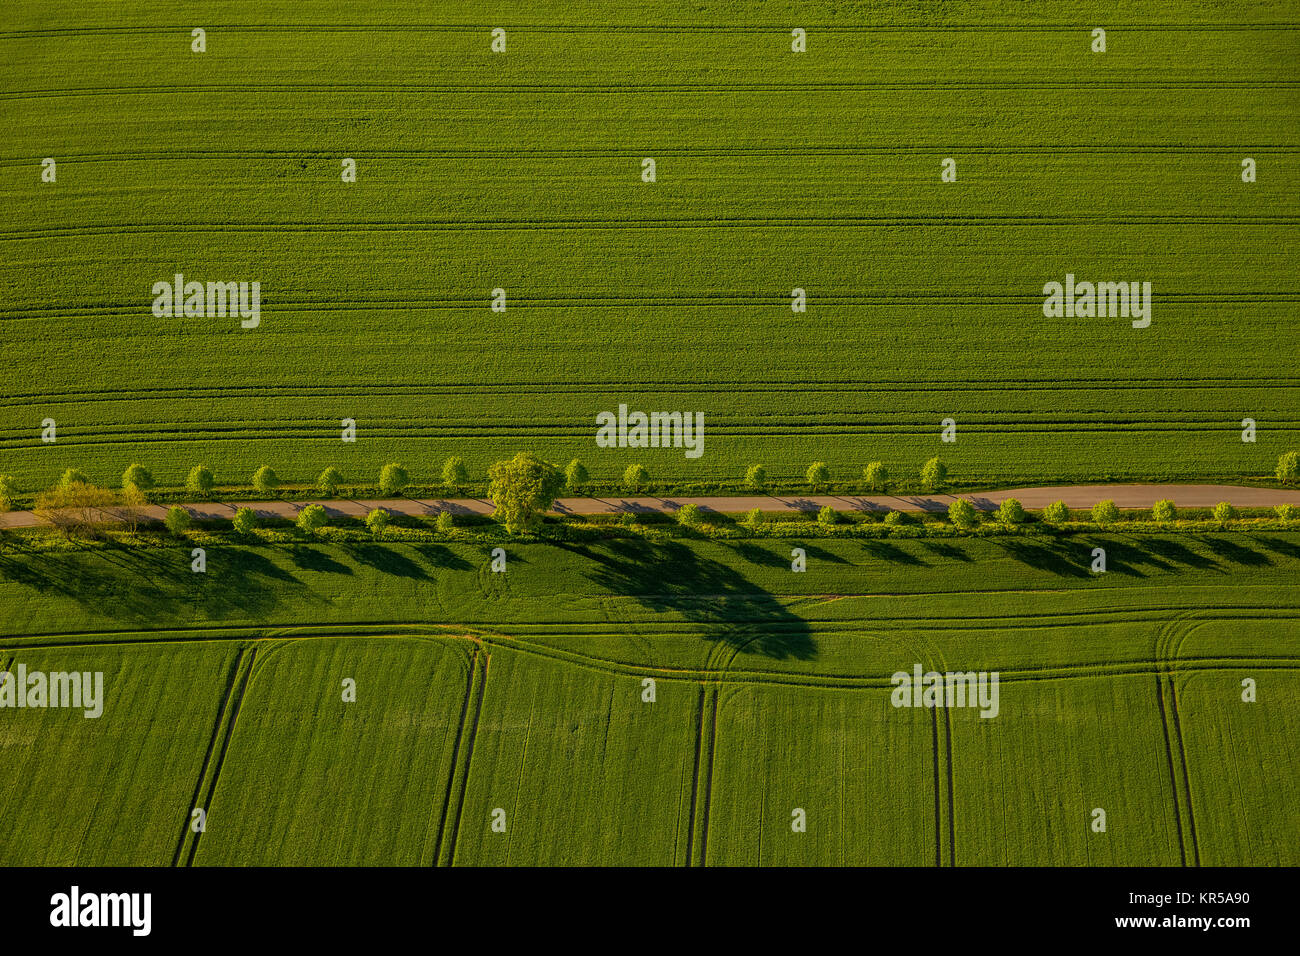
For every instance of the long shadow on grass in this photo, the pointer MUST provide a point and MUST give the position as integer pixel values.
(674, 579)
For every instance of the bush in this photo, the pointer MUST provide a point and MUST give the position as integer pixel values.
(178, 520)
(8, 491)
(393, 478)
(312, 518)
(895, 518)
(1164, 511)
(818, 474)
(934, 474)
(137, 476)
(1105, 513)
(328, 482)
(755, 517)
(827, 516)
(454, 473)
(688, 516)
(756, 477)
(1287, 512)
(377, 520)
(266, 480)
(199, 481)
(962, 514)
(445, 522)
(1288, 467)
(876, 476)
(1056, 513)
(1224, 512)
(1011, 512)
(73, 477)
(635, 477)
(245, 521)
(576, 476)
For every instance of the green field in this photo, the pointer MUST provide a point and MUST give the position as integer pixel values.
(522, 692)
(775, 171)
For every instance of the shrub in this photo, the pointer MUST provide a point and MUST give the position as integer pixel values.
(76, 508)
(576, 476)
(755, 517)
(818, 474)
(1011, 512)
(962, 514)
(1288, 467)
(312, 518)
(688, 516)
(1224, 512)
(266, 480)
(827, 516)
(1287, 512)
(454, 473)
(1105, 513)
(895, 518)
(445, 522)
(756, 477)
(245, 521)
(199, 481)
(328, 482)
(1164, 511)
(876, 476)
(934, 474)
(178, 520)
(393, 478)
(73, 476)
(1056, 513)
(635, 477)
(8, 491)
(377, 520)
(137, 476)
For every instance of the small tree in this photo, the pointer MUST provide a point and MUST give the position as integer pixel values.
(8, 491)
(523, 489)
(131, 507)
(962, 514)
(1056, 513)
(1011, 513)
(266, 480)
(934, 474)
(876, 476)
(635, 478)
(1288, 467)
(1164, 511)
(445, 522)
(818, 474)
(73, 476)
(688, 516)
(312, 518)
(827, 516)
(1224, 512)
(199, 481)
(75, 508)
(245, 521)
(377, 520)
(756, 478)
(393, 478)
(454, 473)
(1104, 513)
(178, 520)
(755, 517)
(328, 482)
(137, 476)
(1286, 512)
(575, 476)
(895, 518)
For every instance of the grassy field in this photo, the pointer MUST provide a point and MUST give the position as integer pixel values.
(523, 692)
(775, 171)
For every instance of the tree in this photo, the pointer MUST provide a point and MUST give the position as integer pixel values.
(454, 473)
(756, 477)
(635, 477)
(137, 476)
(199, 481)
(1105, 513)
(895, 518)
(688, 516)
(962, 514)
(75, 508)
(1288, 467)
(1286, 512)
(131, 506)
(523, 488)
(1224, 512)
(1056, 513)
(827, 516)
(818, 474)
(755, 517)
(312, 518)
(73, 477)
(934, 474)
(1011, 512)
(266, 480)
(8, 491)
(575, 476)
(178, 520)
(245, 521)
(393, 478)
(377, 520)
(876, 475)
(446, 522)
(328, 482)
(1164, 511)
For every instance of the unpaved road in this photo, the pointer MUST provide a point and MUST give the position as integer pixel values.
(1075, 496)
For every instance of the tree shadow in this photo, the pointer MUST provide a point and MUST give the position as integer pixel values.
(442, 556)
(1053, 557)
(387, 560)
(311, 558)
(1287, 549)
(888, 551)
(948, 551)
(1236, 553)
(756, 554)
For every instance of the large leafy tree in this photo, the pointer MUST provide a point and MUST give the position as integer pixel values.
(523, 489)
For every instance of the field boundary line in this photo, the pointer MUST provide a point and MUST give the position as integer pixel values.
(447, 847)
